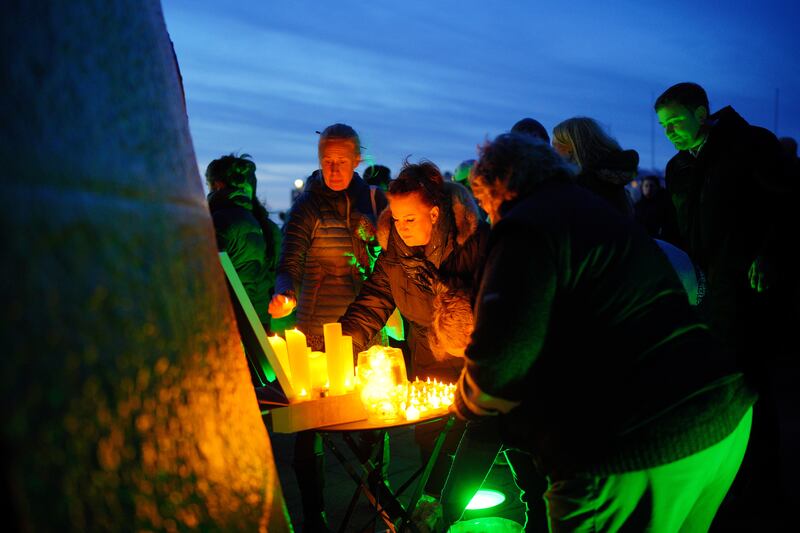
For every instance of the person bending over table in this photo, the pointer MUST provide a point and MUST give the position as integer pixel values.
(430, 231)
(586, 349)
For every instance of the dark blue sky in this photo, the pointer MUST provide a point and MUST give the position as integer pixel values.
(434, 79)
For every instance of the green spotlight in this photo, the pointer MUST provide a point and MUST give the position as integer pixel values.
(486, 499)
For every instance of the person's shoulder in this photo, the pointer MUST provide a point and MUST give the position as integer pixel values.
(679, 159)
(763, 137)
(306, 201)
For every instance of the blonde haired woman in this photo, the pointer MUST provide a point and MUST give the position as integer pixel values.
(603, 166)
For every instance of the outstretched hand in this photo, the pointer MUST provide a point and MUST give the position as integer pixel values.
(281, 305)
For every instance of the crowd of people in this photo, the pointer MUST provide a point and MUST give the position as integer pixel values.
(615, 348)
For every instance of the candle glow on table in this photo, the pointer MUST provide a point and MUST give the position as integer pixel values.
(298, 361)
(382, 381)
(388, 396)
(426, 398)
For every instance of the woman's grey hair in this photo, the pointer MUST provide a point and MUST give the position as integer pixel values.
(521, 163)
(342, 132)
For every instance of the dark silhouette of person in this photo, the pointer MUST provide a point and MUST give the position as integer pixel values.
(655, 212)
(586, 351)
(379, 176)
(533, 127)
(243, 228)
(604, 167)
(729, 183)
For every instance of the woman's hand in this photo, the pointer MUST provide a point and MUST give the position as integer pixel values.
(282, 305)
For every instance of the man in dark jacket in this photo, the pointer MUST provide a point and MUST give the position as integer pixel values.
(586, 345)
(730, 183)
(725, 183)
(327, 253)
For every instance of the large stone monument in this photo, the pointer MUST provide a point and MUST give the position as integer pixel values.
(126, 398)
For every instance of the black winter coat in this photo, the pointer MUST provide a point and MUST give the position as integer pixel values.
(657, 215)
(730, 208)
(582, 324)
(325, 253)
(456, 249)
(240, 234)
(607, 179)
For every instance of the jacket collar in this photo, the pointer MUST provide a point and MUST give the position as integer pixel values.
(724, 125)
(229, 197)
(618, 167)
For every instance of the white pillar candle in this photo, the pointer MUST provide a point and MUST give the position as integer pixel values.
(347, 358)
(318, 365)
(279, 347)
(298, 361)
(336, 363)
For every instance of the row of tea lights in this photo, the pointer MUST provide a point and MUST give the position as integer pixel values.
(381, 377)
(387, 394)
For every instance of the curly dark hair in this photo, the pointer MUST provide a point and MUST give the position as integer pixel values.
(520, 163)
(423, 177)
(232, 170)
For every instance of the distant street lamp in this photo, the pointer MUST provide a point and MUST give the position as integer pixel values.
(299, 185)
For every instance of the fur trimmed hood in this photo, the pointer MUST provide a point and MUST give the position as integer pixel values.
(464, 212)
(618, 167)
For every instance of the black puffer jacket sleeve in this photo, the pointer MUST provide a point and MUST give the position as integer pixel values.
(371, 309)
(294, 248)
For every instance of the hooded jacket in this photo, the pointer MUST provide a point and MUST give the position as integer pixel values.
(584, 338)
(608, 177)
(456, 252)
(326, 249)
(240, 234)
